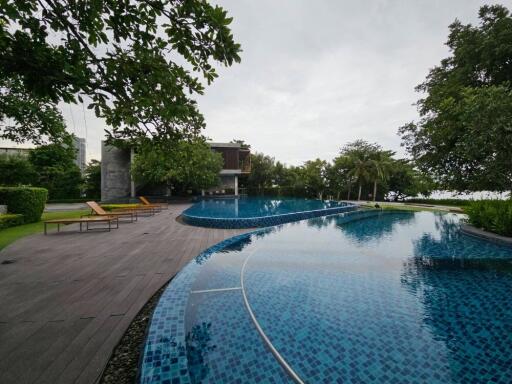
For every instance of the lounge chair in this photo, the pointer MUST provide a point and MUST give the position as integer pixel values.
(139, 208)
(147, 203)
(93, 219)
(98, 211)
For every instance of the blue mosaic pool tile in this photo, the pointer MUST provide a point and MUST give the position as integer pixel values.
(223, 345)
(263, 221)
(402, 298)
(165, 354)
(423, 321)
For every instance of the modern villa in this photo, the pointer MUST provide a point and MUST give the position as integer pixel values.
(117, 183)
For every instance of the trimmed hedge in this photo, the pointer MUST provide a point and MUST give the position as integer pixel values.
(491, 215)
(26, 201)
(10, 220)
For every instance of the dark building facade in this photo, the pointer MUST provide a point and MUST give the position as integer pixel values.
(117, 184)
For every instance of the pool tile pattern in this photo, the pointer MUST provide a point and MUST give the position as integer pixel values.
(371, 341)
(222, 345)
(348, 303)
(164, 358)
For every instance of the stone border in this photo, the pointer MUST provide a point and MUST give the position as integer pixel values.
(485, 235)
(263, 221)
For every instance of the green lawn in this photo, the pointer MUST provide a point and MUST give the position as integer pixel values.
(9, 235)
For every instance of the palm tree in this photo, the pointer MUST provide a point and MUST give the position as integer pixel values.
(361, 171)
(380, 169)
(365, 162)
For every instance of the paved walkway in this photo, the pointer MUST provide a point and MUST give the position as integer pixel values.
(66, 299)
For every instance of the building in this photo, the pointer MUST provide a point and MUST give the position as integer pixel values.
(78, 144)
(14, 151)
(80, 148)
(117, 184)
(237, 161)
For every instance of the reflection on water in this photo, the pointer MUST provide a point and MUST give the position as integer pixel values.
(360, 228)
(374, 230)
(247, 207)
(464, 285)
(397, 297)
(448, 242)
(199, 344)
(235, 244)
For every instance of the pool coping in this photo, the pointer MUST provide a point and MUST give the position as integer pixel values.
(264, 221)
(470, 230)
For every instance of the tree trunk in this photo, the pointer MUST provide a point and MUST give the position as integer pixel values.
(349, 190)
(359, 194)
(374, 189)
(338, 195)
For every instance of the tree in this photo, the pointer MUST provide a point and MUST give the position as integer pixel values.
(405, 181)
(92, 185)
(262, 171)
(360, 158)
(242, 143)
(28, 117)
(133, 62)
(339, 176)
(282, 175)
(464, 135)
(16, 170)
(191, 164)
(313, 176)
(56, 169)
(382, 164)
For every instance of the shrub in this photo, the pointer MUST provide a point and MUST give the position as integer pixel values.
(10, 220)
(56, 169)
(26, 201)
(16, 170)
(491, 215)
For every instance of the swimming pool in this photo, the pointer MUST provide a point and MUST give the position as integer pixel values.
(360, 297)
(249, 212)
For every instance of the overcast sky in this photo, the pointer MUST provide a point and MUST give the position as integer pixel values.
(316, 75)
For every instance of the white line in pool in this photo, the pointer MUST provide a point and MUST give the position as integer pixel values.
(216, 290)
(263, 335)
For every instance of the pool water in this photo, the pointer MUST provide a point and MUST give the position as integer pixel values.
(360, 297)
(248, 207)
(251, 212)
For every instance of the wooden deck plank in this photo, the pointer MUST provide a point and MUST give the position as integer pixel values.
(69, 297)
(70, 330)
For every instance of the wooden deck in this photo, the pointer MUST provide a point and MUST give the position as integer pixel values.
(67, 298)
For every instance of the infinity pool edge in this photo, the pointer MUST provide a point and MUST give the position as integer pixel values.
(263, 221)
